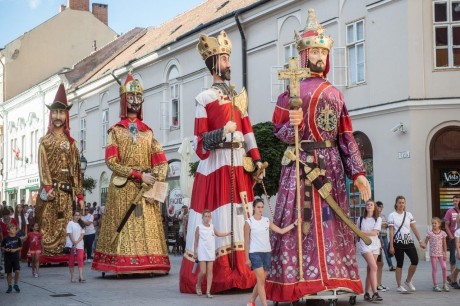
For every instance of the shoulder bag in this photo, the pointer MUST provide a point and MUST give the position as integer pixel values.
(389, 244)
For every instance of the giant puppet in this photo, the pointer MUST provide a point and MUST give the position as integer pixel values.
(60, 180)
(325, 257)
(223, 139)
(132, 242)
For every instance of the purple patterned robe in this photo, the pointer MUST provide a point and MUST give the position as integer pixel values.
(328, 251)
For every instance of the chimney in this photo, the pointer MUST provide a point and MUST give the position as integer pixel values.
(101, 12)
(78, 5)
(62, 8)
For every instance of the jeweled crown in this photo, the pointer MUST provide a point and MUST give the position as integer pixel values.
(314, 35)
(209, 46)
(131, 85)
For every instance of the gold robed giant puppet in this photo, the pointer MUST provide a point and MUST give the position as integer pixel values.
(135, 157)
(60, 179)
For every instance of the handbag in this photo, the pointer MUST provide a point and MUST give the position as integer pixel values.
(66, 250)
(388, 250)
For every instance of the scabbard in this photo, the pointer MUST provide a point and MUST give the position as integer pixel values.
(333, 204)
(126, 217)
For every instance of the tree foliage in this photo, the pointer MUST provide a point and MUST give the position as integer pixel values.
(89, 183)
(271, 150)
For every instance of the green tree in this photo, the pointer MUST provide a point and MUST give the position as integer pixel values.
(89, 183)
(271, 150)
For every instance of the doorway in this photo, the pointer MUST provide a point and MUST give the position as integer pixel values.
(445, 169)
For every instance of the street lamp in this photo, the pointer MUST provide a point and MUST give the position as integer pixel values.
(83, 163)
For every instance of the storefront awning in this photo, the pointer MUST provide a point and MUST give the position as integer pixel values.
(10, 190)
(33, 187)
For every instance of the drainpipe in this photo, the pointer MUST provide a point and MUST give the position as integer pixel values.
(243, 51)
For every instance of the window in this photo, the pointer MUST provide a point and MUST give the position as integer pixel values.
(36, 146)
(289, 51)
(32, 147)
(446, 31)
(22, 156)
(83, 134)
(175, 106)
(356, 53)
(339, 67)
(174, 99)
(105, 126)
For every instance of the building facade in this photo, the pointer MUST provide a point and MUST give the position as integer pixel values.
(28, 82)
(396, 61)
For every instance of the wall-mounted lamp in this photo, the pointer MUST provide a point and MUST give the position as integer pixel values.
(399, 128)
(83, 163)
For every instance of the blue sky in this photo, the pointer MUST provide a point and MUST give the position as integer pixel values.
(19, 16)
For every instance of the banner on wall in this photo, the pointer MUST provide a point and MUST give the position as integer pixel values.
(175, 201)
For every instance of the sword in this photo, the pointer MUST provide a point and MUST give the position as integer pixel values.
(130, 210)
(324, 190)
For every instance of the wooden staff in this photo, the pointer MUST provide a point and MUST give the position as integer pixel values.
(294, 74)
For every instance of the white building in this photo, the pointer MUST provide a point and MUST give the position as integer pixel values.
(396, 62)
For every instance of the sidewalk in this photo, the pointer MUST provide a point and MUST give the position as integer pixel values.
(164, 290)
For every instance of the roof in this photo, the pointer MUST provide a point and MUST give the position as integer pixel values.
(91, 65)
(157, 37)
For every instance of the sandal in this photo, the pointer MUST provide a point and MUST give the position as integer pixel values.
(208, 295)
(198, 290)
(82, 280)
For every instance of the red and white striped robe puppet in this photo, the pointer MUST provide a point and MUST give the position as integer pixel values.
(212, 190)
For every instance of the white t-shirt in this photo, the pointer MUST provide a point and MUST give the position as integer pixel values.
(404, 236)
(74, 229)
(369, 224)
(260, 235)
(89, 229)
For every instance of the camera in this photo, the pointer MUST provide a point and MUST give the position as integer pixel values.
(399, 128)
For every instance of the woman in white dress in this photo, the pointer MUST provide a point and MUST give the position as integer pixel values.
(204, 250)
(370, 224)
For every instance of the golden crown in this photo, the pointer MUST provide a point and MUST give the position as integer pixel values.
(209, 46)
(131, 85)
(314, 35)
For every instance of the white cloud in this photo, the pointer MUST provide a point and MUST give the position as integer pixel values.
(33, 4)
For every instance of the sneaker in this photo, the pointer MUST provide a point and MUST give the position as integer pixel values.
(16, 288)
(367, 297)
(455, 286)
(446, 287)
(36, 275)
(392, 269)
(436, 288)
(382, 288)
(376, 297)
(90, 260)
(9, 289)
(410, 285)
(401, 289)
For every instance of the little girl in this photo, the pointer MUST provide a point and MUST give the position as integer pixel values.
(205, 250)
(35, 240)
(438, 249)
(371, 224)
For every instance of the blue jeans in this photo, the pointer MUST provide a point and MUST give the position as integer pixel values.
(385, 250)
